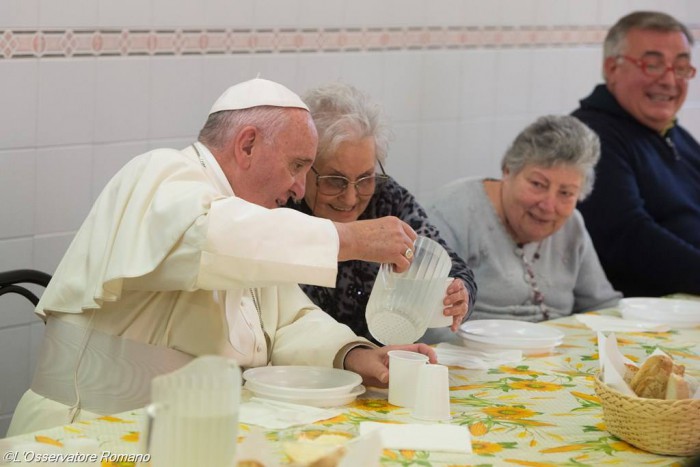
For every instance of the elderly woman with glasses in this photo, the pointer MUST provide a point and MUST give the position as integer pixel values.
(343, 186)
(521, 234)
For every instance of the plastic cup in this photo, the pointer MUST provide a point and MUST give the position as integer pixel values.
(432, 400)
(439, 320)
(404, 367)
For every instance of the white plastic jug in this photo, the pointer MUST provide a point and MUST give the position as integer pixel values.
(193, 417)
(401, 305)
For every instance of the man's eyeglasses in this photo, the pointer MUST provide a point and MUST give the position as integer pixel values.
(655, 66)
(334, 185)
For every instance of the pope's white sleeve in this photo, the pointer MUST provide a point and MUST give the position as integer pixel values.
(260, 247)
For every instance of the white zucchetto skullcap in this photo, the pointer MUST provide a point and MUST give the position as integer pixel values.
(255, 93)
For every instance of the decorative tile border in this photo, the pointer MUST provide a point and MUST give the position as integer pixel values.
(66, 43)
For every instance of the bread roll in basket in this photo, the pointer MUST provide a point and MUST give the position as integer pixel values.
(660, 426)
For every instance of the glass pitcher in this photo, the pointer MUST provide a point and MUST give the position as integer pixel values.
(401, 305)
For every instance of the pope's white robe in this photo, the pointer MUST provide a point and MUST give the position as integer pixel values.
(168, 256)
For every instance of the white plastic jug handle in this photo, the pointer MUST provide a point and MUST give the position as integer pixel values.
(151, 413)
(386, 277)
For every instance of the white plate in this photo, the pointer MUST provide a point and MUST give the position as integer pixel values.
(482, 347)
(674, 312)
(301, 381)
(510, 343)
(510, 332)
(314, 400)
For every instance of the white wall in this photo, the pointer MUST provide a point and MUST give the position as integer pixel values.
(85, 85)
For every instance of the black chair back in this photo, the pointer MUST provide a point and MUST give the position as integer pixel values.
(10, 280)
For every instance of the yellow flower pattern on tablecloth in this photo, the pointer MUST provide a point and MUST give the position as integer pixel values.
(520, 370)
(535, 386)
(131, 437)
(541, 412)
(48, 440)
(508, 412)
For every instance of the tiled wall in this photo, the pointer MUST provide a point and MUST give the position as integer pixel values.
(87, 84)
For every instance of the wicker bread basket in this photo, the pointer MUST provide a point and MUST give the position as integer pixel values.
(670, 427)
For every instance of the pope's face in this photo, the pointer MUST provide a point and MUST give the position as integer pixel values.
(652, 100)
(354, 159)
(537, 201)
(279, 164)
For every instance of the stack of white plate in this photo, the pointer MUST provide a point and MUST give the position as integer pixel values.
(674, 312)
(493, 335)
(307, 385)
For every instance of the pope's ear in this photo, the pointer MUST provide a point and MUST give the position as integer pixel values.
(244, 143)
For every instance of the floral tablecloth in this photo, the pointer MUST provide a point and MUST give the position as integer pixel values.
(540, 412)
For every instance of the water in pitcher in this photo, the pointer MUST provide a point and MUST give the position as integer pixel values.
(197, 440)
(193, 417)
(399, 313)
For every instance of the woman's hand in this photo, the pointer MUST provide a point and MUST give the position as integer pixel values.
(373, 364)
(456, 303)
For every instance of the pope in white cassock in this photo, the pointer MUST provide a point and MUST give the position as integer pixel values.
(183, 255)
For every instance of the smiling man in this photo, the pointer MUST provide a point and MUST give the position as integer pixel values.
(644, 213)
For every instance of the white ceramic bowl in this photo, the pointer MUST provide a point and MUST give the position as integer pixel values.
(312, 400)
(680, 313)
(301, 381)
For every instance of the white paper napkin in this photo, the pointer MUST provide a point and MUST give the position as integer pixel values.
(455, 355)
(694, 387)
(432, 437)
(612, 323)
(277, 415)
(612, 363)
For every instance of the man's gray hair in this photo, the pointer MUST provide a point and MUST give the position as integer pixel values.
(646, 20)
(223, 126)
(556, 140)
(343, 113)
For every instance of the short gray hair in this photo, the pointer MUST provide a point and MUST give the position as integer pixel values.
(223, 126)
(645, 20)
(343, 113)
(556, 140)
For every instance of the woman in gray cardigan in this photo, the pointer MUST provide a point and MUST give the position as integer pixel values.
(521, 235)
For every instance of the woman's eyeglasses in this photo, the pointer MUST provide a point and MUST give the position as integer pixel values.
(334, 185)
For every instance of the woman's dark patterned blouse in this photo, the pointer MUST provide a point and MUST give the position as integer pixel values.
(348, 300)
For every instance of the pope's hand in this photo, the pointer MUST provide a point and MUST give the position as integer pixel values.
(373, 364)
(384, 240)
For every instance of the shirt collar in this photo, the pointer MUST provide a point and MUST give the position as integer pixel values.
(212, 166)
(668, 127)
